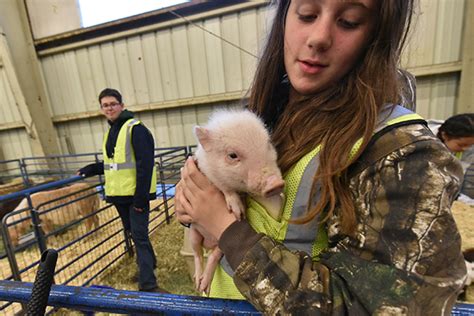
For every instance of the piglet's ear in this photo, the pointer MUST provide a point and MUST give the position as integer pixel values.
(203, 136)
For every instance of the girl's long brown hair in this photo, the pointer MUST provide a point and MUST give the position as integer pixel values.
(337, 117)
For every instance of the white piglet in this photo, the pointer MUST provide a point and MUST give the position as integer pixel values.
(235, 153)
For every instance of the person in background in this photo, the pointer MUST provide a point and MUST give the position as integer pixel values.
(366, 227)
(130, 179)
(457, 133)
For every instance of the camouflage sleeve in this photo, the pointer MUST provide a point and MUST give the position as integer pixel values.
(406, 256)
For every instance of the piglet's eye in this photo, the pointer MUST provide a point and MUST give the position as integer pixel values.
(233, 156)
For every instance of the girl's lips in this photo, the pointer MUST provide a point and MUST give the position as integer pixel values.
(310, 68)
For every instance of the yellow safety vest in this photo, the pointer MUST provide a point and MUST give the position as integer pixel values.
(120, 171)
(310, 237)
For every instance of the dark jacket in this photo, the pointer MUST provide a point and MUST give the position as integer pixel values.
(143, 146)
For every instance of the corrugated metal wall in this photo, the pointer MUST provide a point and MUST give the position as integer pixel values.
(175, 76)
(437, 40)
(155, 70)
(170, 127)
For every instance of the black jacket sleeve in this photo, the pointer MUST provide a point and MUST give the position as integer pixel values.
(92, 169)
(144, 148)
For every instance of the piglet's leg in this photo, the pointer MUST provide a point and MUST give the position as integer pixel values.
(206, 278)
(234, 203)
(196, 240)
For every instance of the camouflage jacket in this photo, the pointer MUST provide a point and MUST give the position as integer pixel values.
(405, 259)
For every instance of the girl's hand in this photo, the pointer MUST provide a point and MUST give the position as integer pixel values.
(199, 202)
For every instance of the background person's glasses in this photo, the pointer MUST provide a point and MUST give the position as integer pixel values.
(109, 105)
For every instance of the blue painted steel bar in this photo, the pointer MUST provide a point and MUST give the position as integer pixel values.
(128, 302)
(125, 302)
(40, 188)
(463, 309)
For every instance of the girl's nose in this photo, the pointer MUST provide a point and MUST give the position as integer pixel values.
(320, 37)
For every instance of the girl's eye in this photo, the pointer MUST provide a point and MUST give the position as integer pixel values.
(348, 24)
(306, 17)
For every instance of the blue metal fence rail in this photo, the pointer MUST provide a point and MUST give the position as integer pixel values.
(96, 299)
(39, 188)
(126, 302)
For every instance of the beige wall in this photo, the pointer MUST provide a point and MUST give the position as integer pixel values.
(173, 74)
(52, 17)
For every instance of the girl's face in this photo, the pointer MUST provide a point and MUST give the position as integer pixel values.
(457, 144)
(324, 39)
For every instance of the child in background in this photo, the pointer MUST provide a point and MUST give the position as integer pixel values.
(457, 133)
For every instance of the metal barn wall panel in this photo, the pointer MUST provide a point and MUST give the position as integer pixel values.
(182, 62)
(14, 144)
(169, 127)
(82, 136)
(436, 96)
(157, 70)
(437, 34)
(174, 127)
(436, 44)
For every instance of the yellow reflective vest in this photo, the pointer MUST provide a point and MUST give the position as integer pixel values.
(310, 237)
(120, 170)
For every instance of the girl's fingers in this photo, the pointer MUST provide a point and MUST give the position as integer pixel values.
(198, 178)
(192, 182)
(185, 205)
(188, 190)
(182, 205)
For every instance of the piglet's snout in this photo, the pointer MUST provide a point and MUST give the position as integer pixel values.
(273, 186)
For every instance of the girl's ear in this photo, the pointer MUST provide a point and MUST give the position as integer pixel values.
(203, 136)
(444, 137)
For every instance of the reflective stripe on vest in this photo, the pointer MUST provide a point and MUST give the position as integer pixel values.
(120, 170)
(129, 162)
(304, 237)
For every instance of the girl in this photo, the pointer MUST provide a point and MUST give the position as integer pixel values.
(366, 225)
(457, 133)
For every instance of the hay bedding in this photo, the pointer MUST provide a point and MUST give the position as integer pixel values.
(14, 185)
(32, 254)
(172, 272)
(464, 216)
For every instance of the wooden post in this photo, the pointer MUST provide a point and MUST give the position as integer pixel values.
(466, 88)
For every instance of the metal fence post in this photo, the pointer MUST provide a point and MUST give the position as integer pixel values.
(163, 189)
(24, 172)
(37, 226)
(9, 251)
(128, 243)
(101, 179)
(62, 169)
